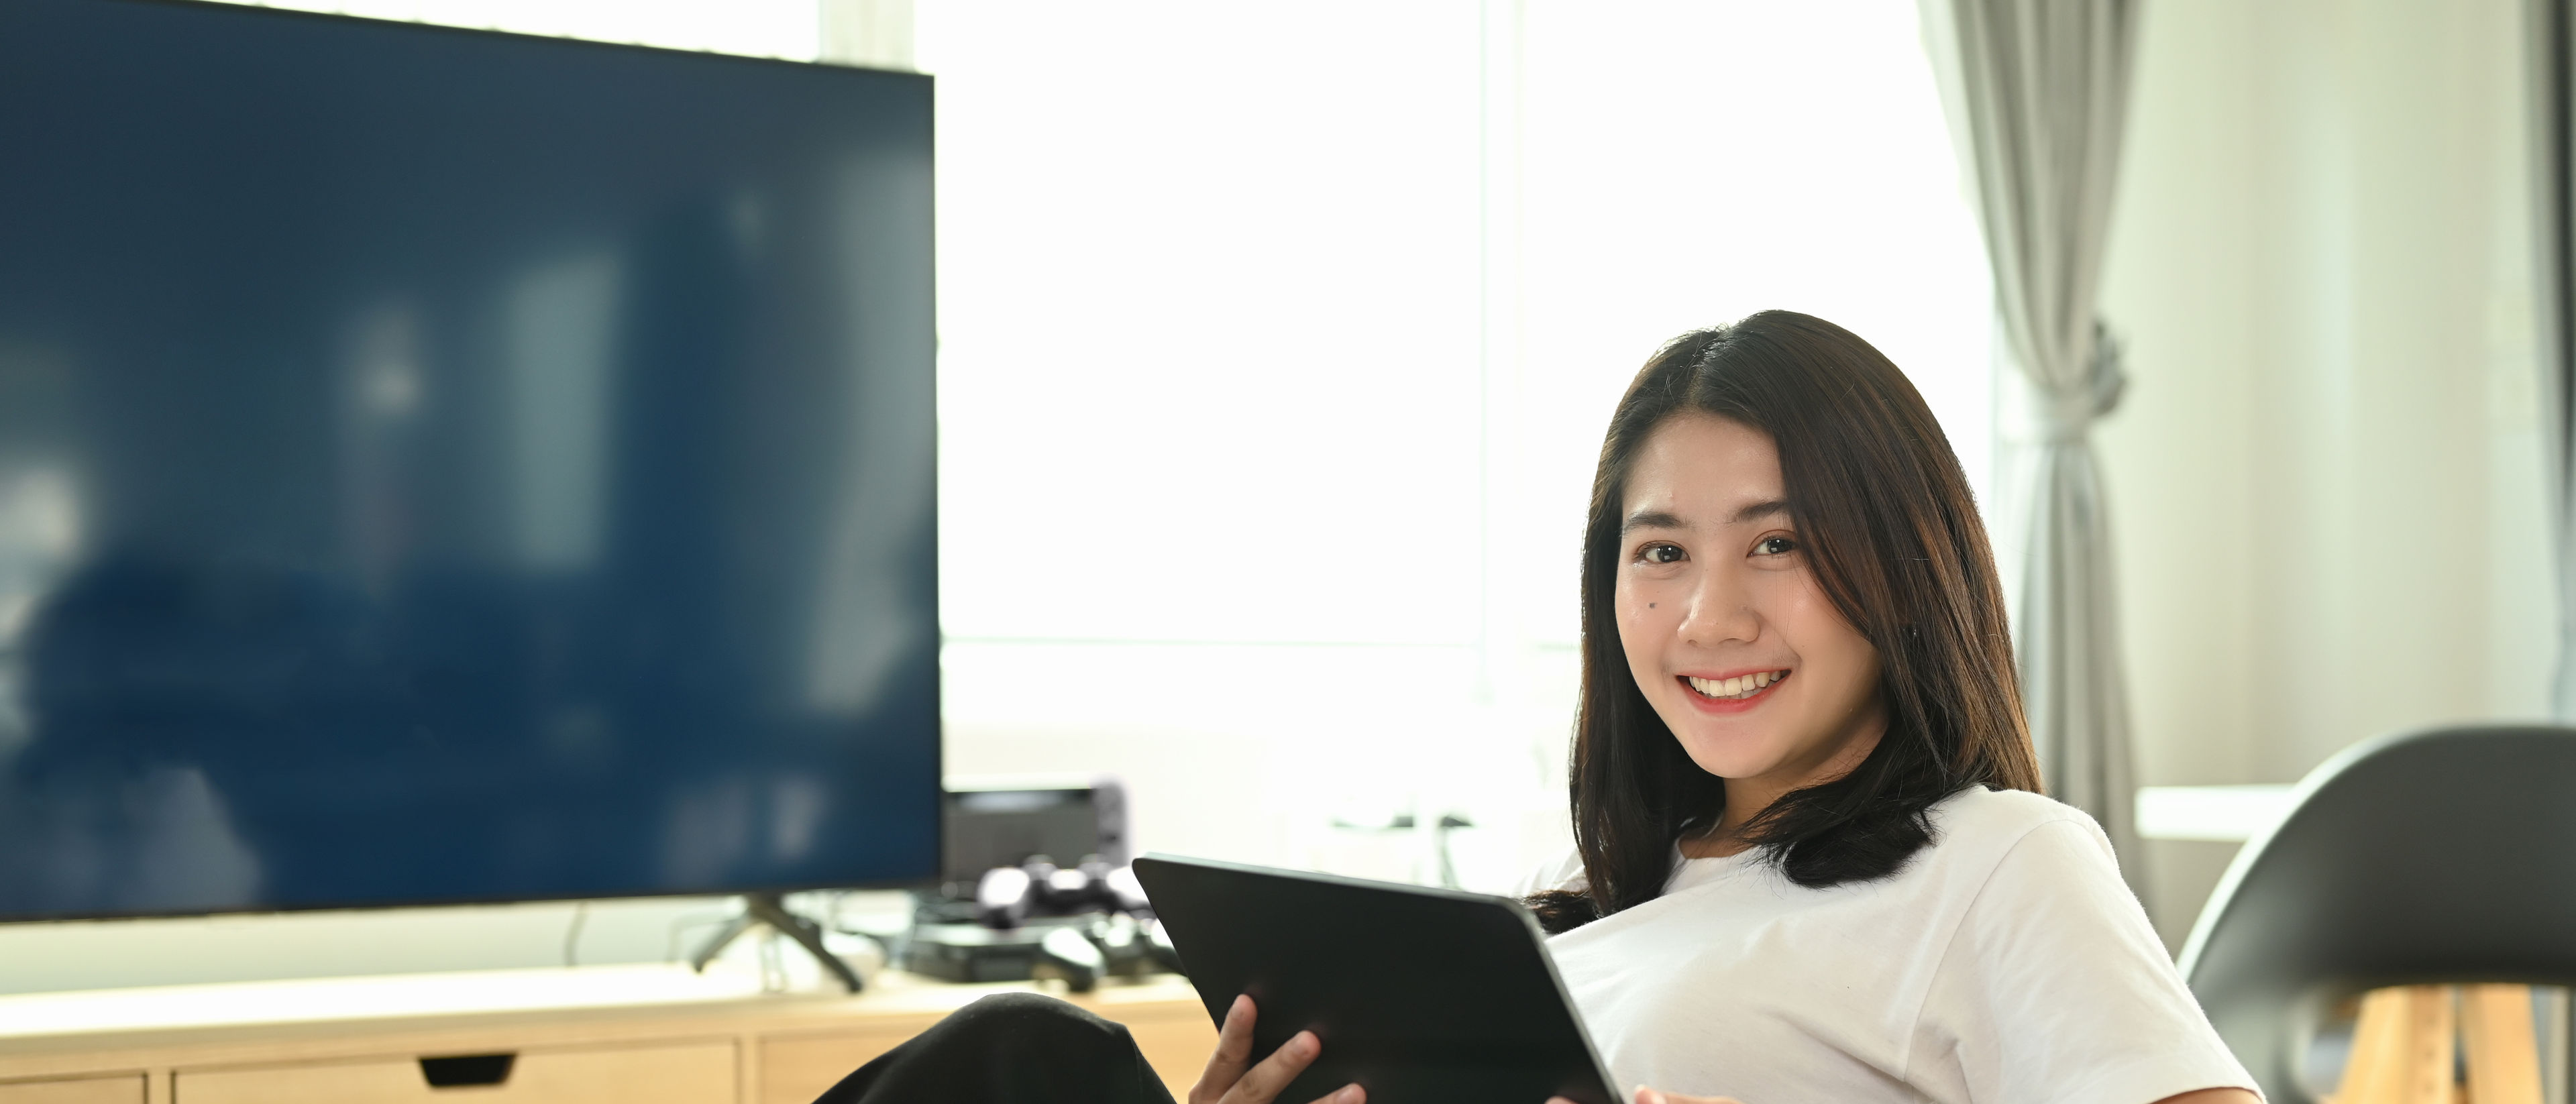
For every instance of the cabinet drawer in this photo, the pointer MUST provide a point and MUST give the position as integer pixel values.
(794, 1069)
(681, 1073)
(125, 1089)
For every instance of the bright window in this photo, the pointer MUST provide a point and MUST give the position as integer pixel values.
(1277, 343)
(1208, 319)
(1689, 162)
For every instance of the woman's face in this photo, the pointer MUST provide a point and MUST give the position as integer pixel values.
(1726, 630)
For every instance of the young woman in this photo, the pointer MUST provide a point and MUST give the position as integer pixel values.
(1811, 860)
(1811, 863)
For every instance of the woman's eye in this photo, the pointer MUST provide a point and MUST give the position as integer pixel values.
(1774, 546)
(1659, 554)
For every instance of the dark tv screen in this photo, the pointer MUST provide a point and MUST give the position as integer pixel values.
(443, 466)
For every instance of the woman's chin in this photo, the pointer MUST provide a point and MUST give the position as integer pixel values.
(1731, 754)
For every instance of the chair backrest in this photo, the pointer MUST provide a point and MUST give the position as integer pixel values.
(2435, 856)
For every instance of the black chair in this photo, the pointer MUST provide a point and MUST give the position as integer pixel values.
(2446, 855)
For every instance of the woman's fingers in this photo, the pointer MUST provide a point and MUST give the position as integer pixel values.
(1227, 1081)
(1233, 1052)
(1262, 1083)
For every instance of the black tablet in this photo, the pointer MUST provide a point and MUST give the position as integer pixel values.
(1423, 996)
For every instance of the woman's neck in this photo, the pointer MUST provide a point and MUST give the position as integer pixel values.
(1747, 798)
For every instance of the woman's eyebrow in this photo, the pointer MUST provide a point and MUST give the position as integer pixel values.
(1662, 519)
(1757, 510)
(1651, 519)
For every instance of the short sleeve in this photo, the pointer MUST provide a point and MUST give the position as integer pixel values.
(2056, 989)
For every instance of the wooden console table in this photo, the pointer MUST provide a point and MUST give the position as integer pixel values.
(625, 1034)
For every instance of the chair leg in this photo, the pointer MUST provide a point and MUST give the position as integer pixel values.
(2402, 1048)
(2374, 1066)
(2503, 1048)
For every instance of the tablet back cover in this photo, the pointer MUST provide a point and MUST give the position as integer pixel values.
(1420, 995)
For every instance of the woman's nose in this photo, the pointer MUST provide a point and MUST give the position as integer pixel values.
(1721, 611)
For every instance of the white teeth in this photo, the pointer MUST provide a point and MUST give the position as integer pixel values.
(1741, 686)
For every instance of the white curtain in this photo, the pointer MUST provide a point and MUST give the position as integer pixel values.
(2037, 91)
(2552, 92)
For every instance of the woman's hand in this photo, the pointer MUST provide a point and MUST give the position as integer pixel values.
(1227, 1081)
(1645, 1095)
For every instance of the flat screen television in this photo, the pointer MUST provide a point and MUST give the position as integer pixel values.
(449, 466)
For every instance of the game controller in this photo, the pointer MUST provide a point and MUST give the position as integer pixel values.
(1007, 896)
(1097, 921)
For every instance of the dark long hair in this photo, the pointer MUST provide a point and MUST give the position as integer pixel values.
(1890, 530)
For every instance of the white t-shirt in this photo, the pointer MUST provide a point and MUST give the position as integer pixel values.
(2004, 963)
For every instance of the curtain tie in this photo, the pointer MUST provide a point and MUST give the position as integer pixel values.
(2069, 410)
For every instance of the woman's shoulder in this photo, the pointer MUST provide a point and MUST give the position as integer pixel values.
(1977, 828)
(1981, 810)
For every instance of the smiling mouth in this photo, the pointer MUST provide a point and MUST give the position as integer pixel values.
(1738, 688)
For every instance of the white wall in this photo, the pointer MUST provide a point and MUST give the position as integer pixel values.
(2326, 482)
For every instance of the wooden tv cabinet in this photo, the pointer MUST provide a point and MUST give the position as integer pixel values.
(628, 1034)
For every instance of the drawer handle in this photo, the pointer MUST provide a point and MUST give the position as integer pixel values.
(458, 1071)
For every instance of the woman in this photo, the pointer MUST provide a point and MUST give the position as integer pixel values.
(1811, 860)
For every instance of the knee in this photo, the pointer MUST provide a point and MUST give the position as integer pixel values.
(1020, 1004)
(1009, 1046)
(1033, 1016)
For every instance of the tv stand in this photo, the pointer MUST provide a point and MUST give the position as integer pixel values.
(770, 910)
(636, 1033)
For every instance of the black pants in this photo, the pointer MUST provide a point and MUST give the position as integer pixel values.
(1012, 1048)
